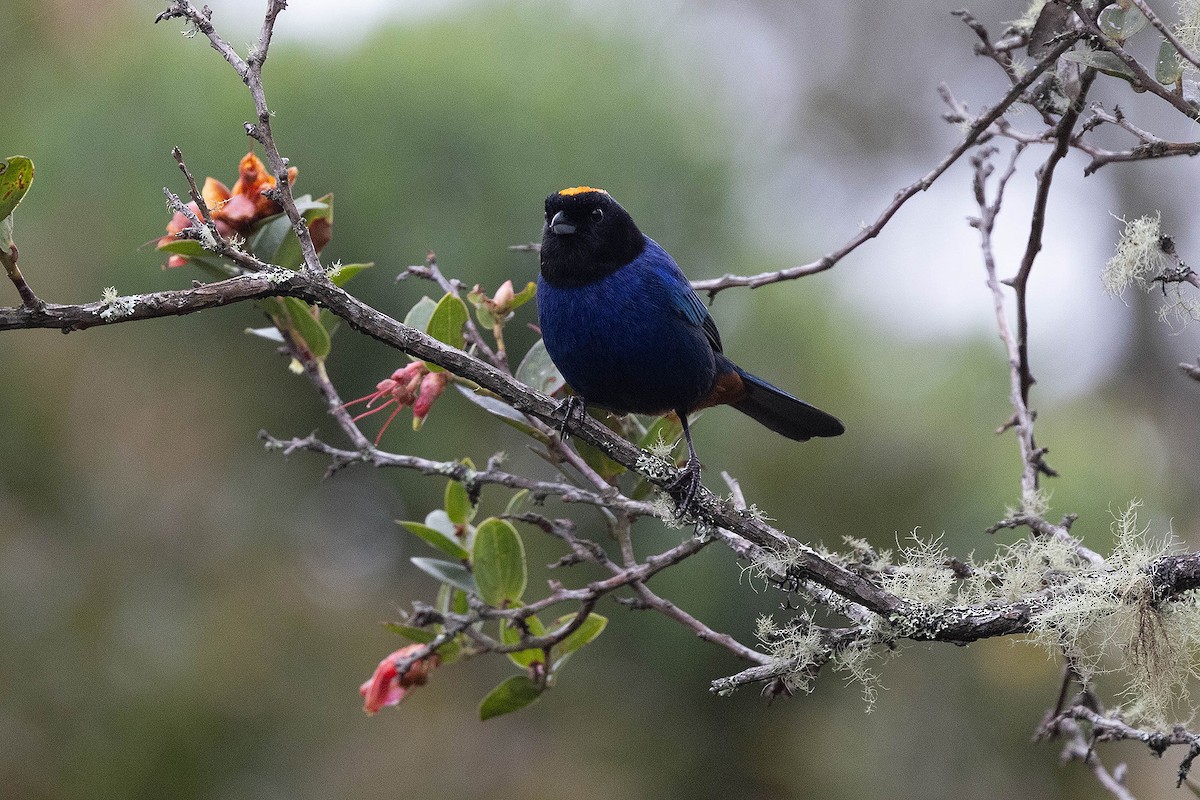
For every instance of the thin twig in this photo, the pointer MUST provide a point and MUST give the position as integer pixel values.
(974, 132)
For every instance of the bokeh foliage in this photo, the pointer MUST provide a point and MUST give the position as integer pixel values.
(183, 613)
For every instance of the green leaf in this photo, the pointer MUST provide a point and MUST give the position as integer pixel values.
(595, 458)
(418, 316)
(446, 323)
(517, 503)
(1168, 69)
(479, 301)
(511, 695)
(458, 503)
(449, 573)
(436, 538)
(342, 273)
(274, 240)
(267, 237)
(538, 372)
(524, 296)
(504, 411)
(666, 428)
(289, 253)
(510, 633)
(315, 337)
(16, 175)
(418, 635)
(588, 630)
(185, 247)
(198, 256)
(448, 651)
(1104, 61)
(498, 558)
(1119, 24)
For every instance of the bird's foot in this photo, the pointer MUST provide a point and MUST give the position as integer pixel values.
(685, 489)
(568, 408)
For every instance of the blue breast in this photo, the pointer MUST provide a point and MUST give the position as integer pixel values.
(624, 342)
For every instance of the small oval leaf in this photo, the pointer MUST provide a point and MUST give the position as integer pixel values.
(458, 504)
(449, 573)
(447, 321)
(511, 634)
(511, 695)
(1168, 69)
(436, 538)
(1105, 62)
(342, 273)
(439, 520)
(1119, 23)
(498, 558)
(587, 631)
(418, 635)
(16, 175)
(309, 328)
(538, 372)
(418, 316)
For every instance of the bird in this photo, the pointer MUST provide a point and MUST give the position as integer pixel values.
(624, 327)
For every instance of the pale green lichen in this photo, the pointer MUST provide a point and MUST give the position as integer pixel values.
(1107, 621)
(1026, 21)
(1102, 614)
(277, 275)
(114, 306)
(1145, 258)
(652, 466)
(921, 576)
(1188, 29)
(857, 662)
(1139, 257)
(798, 643)
(664, 508)
(661, 448)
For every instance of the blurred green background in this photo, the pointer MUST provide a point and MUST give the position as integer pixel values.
(185, 615)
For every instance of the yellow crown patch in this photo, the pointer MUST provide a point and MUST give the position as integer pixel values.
(574, 190)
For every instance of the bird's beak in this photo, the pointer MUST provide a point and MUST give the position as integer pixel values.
(560, 225)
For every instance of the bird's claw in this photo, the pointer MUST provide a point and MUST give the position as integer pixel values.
(567, 407)
(685, 489)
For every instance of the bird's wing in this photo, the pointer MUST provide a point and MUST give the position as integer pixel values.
(692, 308)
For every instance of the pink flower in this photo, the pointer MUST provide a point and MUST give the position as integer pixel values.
(387, 686)
(401, 389)
(432, 386)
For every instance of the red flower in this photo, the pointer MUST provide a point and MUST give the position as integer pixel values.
(387, 686)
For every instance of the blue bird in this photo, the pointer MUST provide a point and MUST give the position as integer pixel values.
(629, 334)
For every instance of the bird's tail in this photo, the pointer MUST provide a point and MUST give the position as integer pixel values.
(786, 415)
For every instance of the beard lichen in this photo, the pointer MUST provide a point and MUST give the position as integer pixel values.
(1103, 615)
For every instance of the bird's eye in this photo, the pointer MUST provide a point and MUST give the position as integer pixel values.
(597, 215)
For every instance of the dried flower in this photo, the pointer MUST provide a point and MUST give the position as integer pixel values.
(235, 211)
(387, 686)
